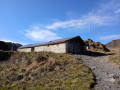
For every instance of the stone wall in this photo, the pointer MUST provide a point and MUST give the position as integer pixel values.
(57, 48)
(68, 47)
(24, 49)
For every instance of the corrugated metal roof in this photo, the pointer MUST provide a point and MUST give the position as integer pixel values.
(50, 42)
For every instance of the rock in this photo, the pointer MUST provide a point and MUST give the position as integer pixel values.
(34, 74)
(19, 77)
(93, 68)
(7, 82)
(1, 69)
(116, 77)
(23, 70)
(118, 82)
(112, 80)
(27, 79)
(107, 86)
(96, 46)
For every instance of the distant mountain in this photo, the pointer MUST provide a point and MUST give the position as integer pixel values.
(95, 46)
(7, 46)
(114, 45)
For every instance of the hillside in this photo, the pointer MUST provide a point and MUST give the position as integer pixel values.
(38, 71)
(96, 46)
(114, 45)
(7, 46)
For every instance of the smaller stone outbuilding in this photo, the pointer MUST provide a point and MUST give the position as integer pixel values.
(67, 45)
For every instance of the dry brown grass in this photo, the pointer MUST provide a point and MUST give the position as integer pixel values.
(115, 58)
(39, 71)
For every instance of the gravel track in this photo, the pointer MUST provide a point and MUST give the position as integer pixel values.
(107, 74)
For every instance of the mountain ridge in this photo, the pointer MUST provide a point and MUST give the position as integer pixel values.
(114, 45)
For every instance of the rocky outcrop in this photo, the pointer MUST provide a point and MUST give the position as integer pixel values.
(7, 46)
(95, 46)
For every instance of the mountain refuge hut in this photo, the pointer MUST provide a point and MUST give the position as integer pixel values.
(67, 45)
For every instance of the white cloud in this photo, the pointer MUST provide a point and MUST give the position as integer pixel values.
(6, 40)
(109, 37)
(37, 34)
(67, 24)
(97, 20)
(102, 15)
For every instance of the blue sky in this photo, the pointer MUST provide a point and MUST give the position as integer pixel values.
(37, 21)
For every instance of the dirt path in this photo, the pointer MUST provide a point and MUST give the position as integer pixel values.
(107, 74)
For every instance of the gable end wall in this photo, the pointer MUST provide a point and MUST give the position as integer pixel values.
(75, 47)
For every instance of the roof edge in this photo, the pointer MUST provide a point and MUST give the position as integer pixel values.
(50, 42)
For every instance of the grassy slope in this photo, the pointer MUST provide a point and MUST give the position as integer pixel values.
(115, 58)
(36, 71)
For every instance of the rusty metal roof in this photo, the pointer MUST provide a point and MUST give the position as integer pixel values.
(50, 42)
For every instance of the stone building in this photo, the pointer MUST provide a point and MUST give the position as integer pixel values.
(67, 45)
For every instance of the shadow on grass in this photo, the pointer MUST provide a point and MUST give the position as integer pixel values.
(92, 86)
(95, 54)
(90, 53)
(4, 55)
